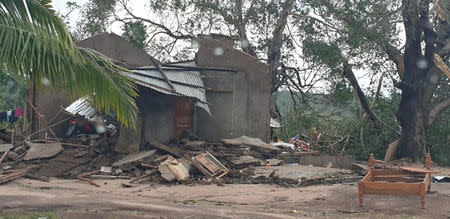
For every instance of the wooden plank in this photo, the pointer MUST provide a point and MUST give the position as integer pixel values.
(170, 150)
(13, 176)
(368, 176)
(398, 179)
(208, 164)
(4, 156)
(418, 170)
(199, 166)
(386, 188)
(379, 172)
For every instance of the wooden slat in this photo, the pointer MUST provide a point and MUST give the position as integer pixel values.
(378, 172)
(398, 179)
(418, 170)
(207, 163)
(386, 188)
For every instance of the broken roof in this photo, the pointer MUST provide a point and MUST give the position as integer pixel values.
(186, 81)
(82, 107)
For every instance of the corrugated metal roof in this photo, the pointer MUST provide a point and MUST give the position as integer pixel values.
(82, 107)
(186, 82)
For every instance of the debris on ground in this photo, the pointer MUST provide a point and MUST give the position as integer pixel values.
(42, 150)
(89, 155)
(171, 169)
(441, 179)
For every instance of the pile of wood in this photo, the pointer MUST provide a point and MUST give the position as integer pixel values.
(185, 160)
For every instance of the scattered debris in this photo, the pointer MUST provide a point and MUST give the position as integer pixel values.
(173, 151)
(361, 169)
(149, 173)
(90, 156)
(126, 185)
(15, 174)
(171, 169)
(104, 169)
(256, 143)
(2, 158)
(83, 176)
(441, 179)
(195, 144)
(134, 158)
(247, 161)
(209, 165)
(108, 177)
(5, 147)
(42, 150)
(274, 162)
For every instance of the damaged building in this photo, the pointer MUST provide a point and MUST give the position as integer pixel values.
(222, 93)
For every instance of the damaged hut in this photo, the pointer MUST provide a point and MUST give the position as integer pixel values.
(223, 93)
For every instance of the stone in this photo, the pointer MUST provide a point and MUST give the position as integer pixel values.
(42, 150)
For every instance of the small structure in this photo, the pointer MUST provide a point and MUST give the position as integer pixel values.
(223, 93)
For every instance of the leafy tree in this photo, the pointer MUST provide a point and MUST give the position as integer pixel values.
(34, 44)
(13, 90)
(95, 18)
(343, 35)
(136, 33)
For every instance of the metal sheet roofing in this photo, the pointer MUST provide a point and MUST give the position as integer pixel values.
(187, 82)
(82, 107)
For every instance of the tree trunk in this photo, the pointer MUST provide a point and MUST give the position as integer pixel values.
(412, 113)
(412, 119)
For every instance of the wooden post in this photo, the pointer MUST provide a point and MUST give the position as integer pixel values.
(371, 162)
(428, 161)
(422, 194)
(361, 194)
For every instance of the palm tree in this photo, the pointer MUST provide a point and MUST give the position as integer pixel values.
(34, 43)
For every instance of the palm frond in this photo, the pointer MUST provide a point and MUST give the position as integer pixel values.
(33, 40)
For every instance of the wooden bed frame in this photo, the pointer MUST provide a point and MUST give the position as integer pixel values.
(399, 181)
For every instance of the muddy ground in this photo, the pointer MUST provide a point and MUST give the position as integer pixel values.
(75, 199)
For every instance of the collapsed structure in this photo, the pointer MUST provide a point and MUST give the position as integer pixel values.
(223, 93)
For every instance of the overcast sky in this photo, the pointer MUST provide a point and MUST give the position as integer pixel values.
(139, 8)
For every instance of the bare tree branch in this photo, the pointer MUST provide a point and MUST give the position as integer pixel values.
(437, 109)
(167, 31)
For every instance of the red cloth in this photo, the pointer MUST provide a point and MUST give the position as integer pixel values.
(19, 112)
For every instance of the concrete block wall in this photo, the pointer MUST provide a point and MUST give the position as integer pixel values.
(244, 111)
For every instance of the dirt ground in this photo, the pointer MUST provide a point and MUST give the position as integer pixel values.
(76, 199)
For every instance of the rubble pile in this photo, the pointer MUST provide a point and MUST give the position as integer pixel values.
(188, 159)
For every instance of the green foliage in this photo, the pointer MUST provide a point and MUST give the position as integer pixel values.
(136, 33)
(34, 42)
(13, 90)
(322, 52)
(334, 127)
(342, 93)
(95, 18)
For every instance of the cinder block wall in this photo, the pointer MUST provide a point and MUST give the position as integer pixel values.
(241, 103)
